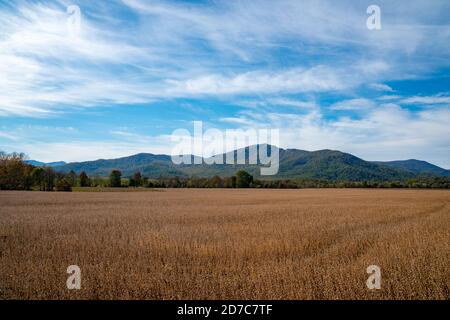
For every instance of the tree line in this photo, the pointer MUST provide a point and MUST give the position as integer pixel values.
(16, 174)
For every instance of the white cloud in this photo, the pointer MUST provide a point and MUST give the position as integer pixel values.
(427, 100)
(293, 103)
(237, 120)
(359, 104)
(8, 136)
(180, 50)
(389, 97)
(43, 67)
(240, 27)
(386, 132)
(315, 79)
(380, 87)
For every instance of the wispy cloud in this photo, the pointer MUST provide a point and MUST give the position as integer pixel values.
(427, 100)
(359, 104)
(301, 104)
(381, 87)
(388, 97)
(175, 50)
(315, 79)
(8, 136)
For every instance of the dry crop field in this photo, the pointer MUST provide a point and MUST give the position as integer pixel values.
(225, 244)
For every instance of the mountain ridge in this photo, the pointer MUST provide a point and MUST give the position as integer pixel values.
(294, 164)
(45, 164)
(418, 166)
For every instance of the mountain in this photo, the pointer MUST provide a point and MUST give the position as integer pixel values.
(45, 164)
(335, 165)
(147, 163)
(416, 166)
(322, 164)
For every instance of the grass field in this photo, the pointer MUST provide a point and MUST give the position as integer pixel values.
(226, 244)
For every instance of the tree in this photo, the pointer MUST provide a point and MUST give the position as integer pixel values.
(137, 179)
(38, 177)
(49, 179)
(84, 179)
(64, 184)
(98, 181)
(215, 182)
(72, 178)
(243, 179)
(115, 179)
(227, 182)
(15, 174)
(174, 182)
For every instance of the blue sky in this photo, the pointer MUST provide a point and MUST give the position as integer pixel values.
(138, 70)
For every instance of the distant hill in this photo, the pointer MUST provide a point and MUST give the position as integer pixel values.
(322, 164)
(335, 165)
(45, 164)
(417, 166)
(147, 163)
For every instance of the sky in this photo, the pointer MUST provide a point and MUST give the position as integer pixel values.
(126, 74)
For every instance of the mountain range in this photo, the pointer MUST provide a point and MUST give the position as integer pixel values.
(294, 164)
(45, 164)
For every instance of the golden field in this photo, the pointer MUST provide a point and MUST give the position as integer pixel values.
(226, 244)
